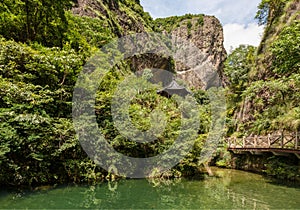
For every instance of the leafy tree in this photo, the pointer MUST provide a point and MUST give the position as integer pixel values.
(238, 65)
(37, 138)
(286, 50)
(169, 23)
(189, 24)
(34, 20)
(268, 10)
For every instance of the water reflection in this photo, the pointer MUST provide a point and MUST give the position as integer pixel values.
(229, 189)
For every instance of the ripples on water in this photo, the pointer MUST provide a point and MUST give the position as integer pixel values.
(230, 189)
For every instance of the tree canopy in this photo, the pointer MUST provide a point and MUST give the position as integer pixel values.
(34, 20)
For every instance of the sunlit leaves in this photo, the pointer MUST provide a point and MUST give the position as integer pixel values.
(286, 50)
(34, 20)
(238, 65)
(268, 10)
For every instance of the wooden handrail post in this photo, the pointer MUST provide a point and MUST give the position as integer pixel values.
(234, 142)
(282, 140)
(244, 142)
(269, 140)
(255, 141)
(296, 140)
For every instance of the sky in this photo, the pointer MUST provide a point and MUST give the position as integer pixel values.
(236, 16)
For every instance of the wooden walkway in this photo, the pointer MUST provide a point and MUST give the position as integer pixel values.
(278, 144)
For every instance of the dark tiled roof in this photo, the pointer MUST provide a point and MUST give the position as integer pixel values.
(174, 88)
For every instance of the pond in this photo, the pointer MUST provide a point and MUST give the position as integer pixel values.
(229, 189)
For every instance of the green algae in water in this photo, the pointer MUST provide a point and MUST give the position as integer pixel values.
(229, 189)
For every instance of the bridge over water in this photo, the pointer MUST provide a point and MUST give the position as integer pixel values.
(276, 143)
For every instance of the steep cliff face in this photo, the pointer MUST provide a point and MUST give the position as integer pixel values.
(205, 32)
(123, 16)
(274, 27)
(271, 100)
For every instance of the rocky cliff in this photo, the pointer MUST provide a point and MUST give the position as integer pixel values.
(270, 103)
(205, 32)
(123, 16)
(288, 15)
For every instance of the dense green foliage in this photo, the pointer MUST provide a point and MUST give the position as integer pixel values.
(38, 142)
(270, 10)
(141, 114)
(270, 102)
(170, 23)
(36, 129)
(238, 67)
(286, 50)
(43, 48)
(263, 95)
(31, 20)
(282, 168)
(42, 51)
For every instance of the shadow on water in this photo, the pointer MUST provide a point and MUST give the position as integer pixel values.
(284, 183)
(228, 189)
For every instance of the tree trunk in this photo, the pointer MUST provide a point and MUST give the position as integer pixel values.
(208, 169)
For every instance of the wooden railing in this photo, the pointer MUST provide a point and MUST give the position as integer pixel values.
(243, 201)
(282, 141)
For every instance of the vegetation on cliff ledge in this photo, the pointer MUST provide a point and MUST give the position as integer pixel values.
(43, 48)
(263, 97)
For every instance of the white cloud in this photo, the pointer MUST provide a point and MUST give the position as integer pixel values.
(236, 16)
(228, 11)
(163, 8)
(237, 34)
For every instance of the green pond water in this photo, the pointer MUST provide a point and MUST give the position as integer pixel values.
(231, 189)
